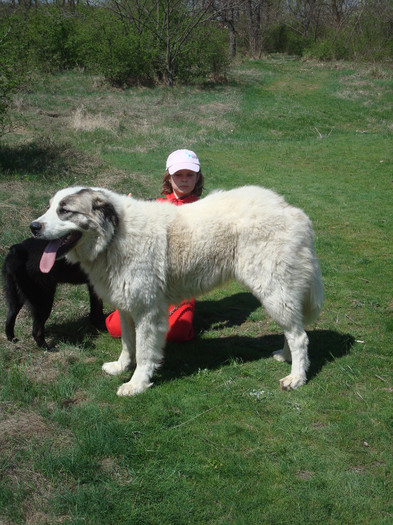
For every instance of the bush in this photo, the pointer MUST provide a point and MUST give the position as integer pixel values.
(48, 33)
(103, 46)
(113, 48)
(204, 56)
(329, 48)
(373, 38)
(283, 39)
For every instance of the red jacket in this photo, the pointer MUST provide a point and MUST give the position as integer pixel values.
(170, 197)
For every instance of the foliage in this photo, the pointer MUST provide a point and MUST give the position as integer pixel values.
(152, 41)
(123, 57)
(48, 32)
(283, 39)
(365, 35)
(124, 50)
(204, 56)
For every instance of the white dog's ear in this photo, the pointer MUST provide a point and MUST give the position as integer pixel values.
(105, 209)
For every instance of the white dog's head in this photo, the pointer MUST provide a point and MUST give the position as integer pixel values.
(77, 218)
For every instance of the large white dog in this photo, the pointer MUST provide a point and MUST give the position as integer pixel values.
(142, 256)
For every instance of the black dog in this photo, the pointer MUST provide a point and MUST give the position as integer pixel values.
(23, 281)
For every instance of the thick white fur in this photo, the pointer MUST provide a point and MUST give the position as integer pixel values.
(158, 254)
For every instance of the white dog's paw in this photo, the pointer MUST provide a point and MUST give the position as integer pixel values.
(113, 368)
(291, 382)
(127, 389)
(278, 355)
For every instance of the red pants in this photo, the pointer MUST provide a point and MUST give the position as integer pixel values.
(180, 322)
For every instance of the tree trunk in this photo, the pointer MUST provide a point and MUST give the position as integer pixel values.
(232, 40)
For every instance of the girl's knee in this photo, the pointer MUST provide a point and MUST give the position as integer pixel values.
(112, 323)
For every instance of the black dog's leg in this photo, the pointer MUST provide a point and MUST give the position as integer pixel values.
(14, 303)
(97, 317)
(40, 312)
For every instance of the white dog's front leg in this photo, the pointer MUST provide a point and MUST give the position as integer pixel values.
(150, 340)
(127, 357)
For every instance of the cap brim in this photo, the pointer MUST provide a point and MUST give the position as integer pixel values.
(184, 166)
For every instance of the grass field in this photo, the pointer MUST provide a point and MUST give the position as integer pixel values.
(214, 440)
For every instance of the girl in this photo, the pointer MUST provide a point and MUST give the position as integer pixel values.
(182, 184)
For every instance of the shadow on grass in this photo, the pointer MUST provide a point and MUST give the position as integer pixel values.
(42, 157)
(326, 346)
(185, 359)
(210, 353)
(229, 311)
(75, 332)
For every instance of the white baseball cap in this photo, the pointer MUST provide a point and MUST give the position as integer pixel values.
(182, 159)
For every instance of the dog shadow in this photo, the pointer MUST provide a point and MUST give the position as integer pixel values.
(185, 359)
(229, 311)
(75, 332)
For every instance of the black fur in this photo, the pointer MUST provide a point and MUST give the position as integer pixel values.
(24, 282)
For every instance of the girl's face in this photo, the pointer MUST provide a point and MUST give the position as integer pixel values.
(183, 182)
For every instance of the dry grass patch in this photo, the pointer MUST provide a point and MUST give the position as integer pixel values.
(39, 490)
(112, 178)
(44, 367)
(82, 120)
(252, 76)
(23, 427)
(294, 86)
(357, 87)
(213, 115)
(110, 467)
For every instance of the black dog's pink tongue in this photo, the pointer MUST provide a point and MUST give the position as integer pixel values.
(49, 256)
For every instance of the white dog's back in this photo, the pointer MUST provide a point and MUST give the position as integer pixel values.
(248, 234)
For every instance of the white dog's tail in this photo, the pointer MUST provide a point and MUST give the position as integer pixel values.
(314, 299)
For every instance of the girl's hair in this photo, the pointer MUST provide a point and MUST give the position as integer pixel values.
(167, 186)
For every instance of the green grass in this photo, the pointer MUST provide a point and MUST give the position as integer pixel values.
(215, 440)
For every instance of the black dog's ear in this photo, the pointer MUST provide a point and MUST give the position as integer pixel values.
(105, 208)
